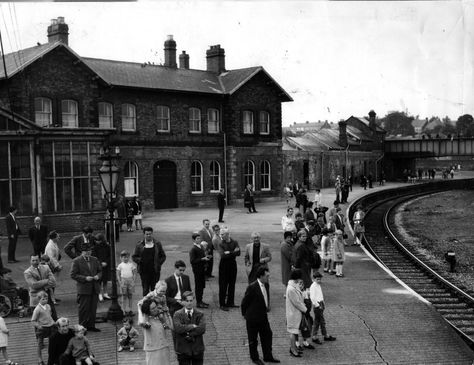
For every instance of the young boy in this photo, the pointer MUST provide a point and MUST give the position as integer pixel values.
(43, 322)
(45, 260)
(127, 335)
(126, 274)
(79, 348)
(317, 299)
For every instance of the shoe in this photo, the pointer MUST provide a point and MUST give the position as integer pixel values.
(120, 349)
(258, 362)
(107, 297)
(299, 348)
(329, 338)
(221, 221)
(325, 270)
(132, 349)
(317, 340)
(293, 354)
(232, 306)
(272, 359)
(101, 298)
(225, 309)
(308, 346)
(93, 329)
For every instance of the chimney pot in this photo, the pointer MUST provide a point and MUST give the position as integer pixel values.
(215, 57)
(184, 60)
(343, 133)
(58, 31)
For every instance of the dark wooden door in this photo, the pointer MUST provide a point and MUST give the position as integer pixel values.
(164, 184)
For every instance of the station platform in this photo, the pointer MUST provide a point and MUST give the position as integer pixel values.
(375, 319)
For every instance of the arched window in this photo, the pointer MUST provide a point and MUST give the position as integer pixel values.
(196, 177)
(247, 121)
(69, 113)
(264, 121)
(130, 179)
(128, 117)
(265, 175)
(194, 120)
(105, 115)
(43, 115)
(249, 173)
(215, 175)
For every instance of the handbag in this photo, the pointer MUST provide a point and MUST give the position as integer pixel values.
(305, 325)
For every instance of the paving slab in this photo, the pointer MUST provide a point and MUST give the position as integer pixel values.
(375, 319)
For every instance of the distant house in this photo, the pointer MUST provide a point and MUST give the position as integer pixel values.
(183, 133)
(352, 147)
(300, 128)
(419, 125)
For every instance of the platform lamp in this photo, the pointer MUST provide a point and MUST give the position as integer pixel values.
(109, 174)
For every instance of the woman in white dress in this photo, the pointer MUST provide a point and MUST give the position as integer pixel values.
(52, 250)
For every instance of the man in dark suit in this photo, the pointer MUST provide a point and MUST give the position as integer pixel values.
(176, 285)
(73, 247)
(86, 270)
(13, 231)
(206, 236)
(189, 326)
(255, 305)
(198, 259)
(221, 205)
(38, 236)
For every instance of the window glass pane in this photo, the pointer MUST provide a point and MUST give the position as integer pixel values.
(79, 159)
(163, 118)
(265, 175)
(128, 117)
(20, 160)
(215, 176)
(81, 194)
(63, 159)
(249, 171)
(43, 112)
(196, 176)
(264, 122)
(47, 159)
(247, 122)
(4, 197)
(3, 160)
(21, 196)
(48, 195)
(194, 120)
(105, 115)
(64, 194)
(69, 113)
(213, 121)
(98, 201)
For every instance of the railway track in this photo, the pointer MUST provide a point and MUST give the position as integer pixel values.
(455, 305)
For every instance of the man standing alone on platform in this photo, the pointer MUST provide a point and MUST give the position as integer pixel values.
(13, 231)
(228, 249)
(86, 270)
(38, 236)
(221, 205)
(206, 236)
(149, 256)
(198, 260)
(255, 306)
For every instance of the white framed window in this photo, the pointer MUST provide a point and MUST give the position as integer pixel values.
(130, 179)
(196, 177)
(163, 118)
(213, 121)
(215, 175)
(43, 114)
(105, 115)
(247, 121)
(69, 113)
(264, 121)
(128, 117)
(194, 120)
(249, 173)
(265, 174)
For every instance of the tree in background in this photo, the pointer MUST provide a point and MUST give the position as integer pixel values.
(398, 123)
(465, 125)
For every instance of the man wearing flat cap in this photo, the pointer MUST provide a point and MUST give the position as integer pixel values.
(86, 270)
(73, 247)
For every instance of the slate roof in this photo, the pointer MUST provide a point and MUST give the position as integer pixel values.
(137, 75)
(366, 122)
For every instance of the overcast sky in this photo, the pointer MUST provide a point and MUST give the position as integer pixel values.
(335, 59)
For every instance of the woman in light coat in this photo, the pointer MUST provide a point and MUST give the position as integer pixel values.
(295, 308)
(52, 250)
(338, 252)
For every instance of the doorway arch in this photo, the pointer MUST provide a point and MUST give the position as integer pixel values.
(164, 184)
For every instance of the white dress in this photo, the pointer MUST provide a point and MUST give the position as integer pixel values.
(3, 336)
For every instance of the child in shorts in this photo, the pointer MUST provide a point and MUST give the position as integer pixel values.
(43, 322)
(79, 347)
(126, 274)
(127, 335)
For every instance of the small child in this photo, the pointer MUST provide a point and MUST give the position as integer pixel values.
(317, 299)
(159, 297)
(43, 322)
(129, 218)
(4, 341)
(45, 260)
(127, 335)
(126, 274)
(79, 348)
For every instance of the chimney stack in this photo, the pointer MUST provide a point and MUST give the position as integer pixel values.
(170, 52)
(372, 124)
(184, 61)
(343, 133)
(215, 59)
(58, 31)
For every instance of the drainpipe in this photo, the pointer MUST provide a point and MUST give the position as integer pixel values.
(225, 168)
(347, 158)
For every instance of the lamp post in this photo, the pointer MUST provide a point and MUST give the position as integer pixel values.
(109, 174)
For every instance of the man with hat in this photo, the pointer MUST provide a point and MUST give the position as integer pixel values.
(73, 247)
(86, 270)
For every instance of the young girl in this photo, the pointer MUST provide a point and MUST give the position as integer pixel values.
(101, 250)
(338, 252)
(79, 348)
(43, 322)
(4, 341)
(326, 249)
(127, 335)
